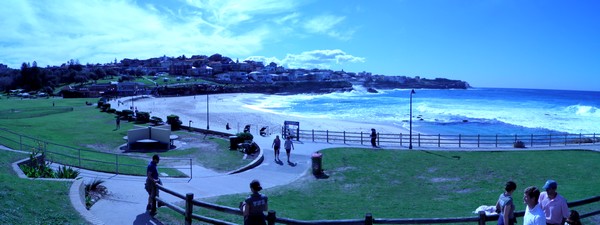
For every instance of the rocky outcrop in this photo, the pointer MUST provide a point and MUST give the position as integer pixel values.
(438, 83)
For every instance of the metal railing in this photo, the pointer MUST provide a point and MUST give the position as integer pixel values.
(448, 140)
(87, 159)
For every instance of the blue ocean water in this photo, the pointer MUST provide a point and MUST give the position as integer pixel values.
(485, 111)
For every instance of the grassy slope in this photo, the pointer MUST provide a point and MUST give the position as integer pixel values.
(21, 198)
(423, 184)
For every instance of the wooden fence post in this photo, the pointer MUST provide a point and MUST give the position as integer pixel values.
(549, 139)
(327, 135)
(532, 140)
(478, 137)
(400, 139)
(378, 138)
(361, 138)
(439, 140)
(482, 218)
(496, 140)
(344, 137)
(459, 140)
(369, 219)
(189, 197)
(313, 135)
(271, 216)
(419, 136)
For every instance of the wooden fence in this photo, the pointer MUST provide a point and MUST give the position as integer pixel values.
(272, 218)
(449, 140)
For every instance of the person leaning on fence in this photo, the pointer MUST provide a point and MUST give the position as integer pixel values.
(254, 206)
(534, 215)
(554, 205)
(151, 180)
(505, 206)
(373, 138)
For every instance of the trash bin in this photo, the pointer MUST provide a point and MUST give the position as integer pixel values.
(233, 142)
(317, 163)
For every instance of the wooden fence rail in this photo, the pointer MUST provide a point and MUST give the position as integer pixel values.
(272, 218)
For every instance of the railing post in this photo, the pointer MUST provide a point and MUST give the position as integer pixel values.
(189, 197)
(549, 139)
(459, 140)
(327, 135)
(482, 218)
(439, 140)
(566, 139)
(580, 140)
(400, 139)
(378, 138)
(478, 137)
(496, 140)
(313, 135)
(344, 137)
(419, 139)
(369, 219)
(361, 138)
(271, 216)
(531, 140)
(191, 170)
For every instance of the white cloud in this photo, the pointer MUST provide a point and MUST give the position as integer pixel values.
(327, 24)
(321, 59)
(98, 31)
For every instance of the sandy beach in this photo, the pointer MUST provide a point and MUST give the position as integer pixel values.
(238, 110)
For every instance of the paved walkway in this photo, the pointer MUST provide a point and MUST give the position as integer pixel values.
(126, 202)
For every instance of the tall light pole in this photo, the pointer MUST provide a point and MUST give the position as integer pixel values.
(207, 123)
(410, 119)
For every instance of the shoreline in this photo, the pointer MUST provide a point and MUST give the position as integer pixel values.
(238, 109)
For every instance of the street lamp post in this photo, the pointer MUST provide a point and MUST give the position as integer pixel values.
(410, 119)
(207, 118)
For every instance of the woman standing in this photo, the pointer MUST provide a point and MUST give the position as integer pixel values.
(505, 205)
(255, 205)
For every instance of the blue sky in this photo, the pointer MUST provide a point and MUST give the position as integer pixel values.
(543, 44)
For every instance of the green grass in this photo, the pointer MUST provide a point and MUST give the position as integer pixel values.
(21, 198)
(424, 184)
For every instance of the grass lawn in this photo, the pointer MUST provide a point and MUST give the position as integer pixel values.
(26, 201)
(423, 184)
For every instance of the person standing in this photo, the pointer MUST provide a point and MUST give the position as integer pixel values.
(118, 123)
(288, 145)
(534, 215)
(151, 181)
(254, 205)
(276, 146)
(554, 205)
(505, 205)
(373, 138)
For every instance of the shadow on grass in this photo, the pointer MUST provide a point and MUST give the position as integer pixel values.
(440, 155)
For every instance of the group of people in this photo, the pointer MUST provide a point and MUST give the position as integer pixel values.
(541, 208)
(288, 145)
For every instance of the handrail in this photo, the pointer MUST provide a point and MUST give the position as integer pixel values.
(23, 142)
(450, 140)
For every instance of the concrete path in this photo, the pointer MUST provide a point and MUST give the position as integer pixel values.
(126, 202)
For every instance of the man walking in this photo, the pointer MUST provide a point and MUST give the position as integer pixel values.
(289, 145)
(276, 146)
(373, 138)
(534, 215)
(554, 205)
(118, 122)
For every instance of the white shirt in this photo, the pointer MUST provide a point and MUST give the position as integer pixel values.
(534, 216)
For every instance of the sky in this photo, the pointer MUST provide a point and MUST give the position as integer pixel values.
(540, 44)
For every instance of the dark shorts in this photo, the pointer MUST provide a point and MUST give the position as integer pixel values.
(288, 150)
(276, 148)
(255, 220)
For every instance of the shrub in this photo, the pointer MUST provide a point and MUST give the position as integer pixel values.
(142, 117)
(37, 167)
(100, 104)
(111, 110)
(519, 144)
(127, 115)
(174, 121)
(245, 136)
(66, 172)
(156, 120)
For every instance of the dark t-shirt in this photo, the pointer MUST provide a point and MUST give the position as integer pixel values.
(256, 203)
(153, 170)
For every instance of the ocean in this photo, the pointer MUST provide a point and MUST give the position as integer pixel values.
(485, 111)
